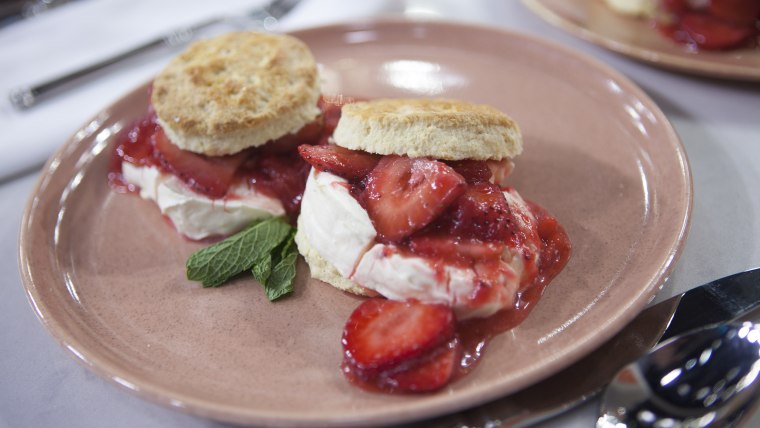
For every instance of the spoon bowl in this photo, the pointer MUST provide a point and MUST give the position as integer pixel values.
(708, 377)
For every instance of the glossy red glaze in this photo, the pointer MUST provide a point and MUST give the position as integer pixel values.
(353, 165)
(481, 212)
(437, 367)
(403, 195)
(716, 25)
(473, 171)
(382, 335)
(274, 169)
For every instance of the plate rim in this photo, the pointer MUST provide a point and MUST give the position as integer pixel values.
(235, 414)
(691, 65)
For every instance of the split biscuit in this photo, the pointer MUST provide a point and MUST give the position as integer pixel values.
(436, 128)
(235, 91)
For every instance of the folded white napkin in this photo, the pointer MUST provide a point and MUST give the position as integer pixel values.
(83, 32)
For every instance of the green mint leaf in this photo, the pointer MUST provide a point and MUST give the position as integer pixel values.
(262, 269)
(216, 264)
(282, 269)
(280, 282)
(289, 245)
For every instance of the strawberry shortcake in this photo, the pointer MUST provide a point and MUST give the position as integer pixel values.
(409, 203)
(699, 24)
(216, 149)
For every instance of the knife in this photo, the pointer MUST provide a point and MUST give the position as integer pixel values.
(15, 10)
(733, 297)
(25, 97)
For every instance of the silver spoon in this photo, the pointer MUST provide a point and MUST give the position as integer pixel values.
(708, 377)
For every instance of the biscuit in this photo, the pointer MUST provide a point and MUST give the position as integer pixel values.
(235, 91)
(437, 128)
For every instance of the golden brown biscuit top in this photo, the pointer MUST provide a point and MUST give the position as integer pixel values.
(235, 82)
(438, 128)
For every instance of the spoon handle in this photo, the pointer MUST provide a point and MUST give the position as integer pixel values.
(732, 298)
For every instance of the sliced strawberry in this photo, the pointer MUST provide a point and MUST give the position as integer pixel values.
(472, 170)
(740, 12)
(480, 213)
(349, 164)
(475, 171)
(708, 32)
(404, 195)
(676, 6)
(281, 176)
(454, 249)
(204, 174)
(135, 147)
(308, 134)
(429, 374)
(380, 333)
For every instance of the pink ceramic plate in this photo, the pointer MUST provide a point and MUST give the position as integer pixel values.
(105, 272)
(592, 20)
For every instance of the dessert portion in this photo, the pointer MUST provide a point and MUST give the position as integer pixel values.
(405, 201)
(699, 24)
(410, 203)
(217, 148)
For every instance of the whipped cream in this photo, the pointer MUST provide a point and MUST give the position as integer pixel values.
(195, 215)
(334, 223)
(644, 8)
(340, 230)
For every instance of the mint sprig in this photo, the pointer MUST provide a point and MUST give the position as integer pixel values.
(278, 273)
(265, 248)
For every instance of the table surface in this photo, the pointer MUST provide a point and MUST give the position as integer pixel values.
(718, 122)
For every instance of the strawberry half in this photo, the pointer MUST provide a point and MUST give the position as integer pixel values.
(480, 213)
(211, 176)
(136, 147)
(281, 176)
(352, 165)
(429, 374)
(741, 12)
(403, 195)
(472, 170)
(308, 134)
(380, 333)
(676, 6)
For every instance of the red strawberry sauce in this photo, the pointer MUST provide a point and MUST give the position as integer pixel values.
(711, 25)
(450, 214)
(472, 336)
(275, 169)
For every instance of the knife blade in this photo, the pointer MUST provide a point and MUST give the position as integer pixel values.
(733, 297)
(26, 97)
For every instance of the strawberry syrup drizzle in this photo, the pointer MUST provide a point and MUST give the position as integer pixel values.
(275, 169)
(449, 214)
(712, 25)
(555, 252)
(473, 335)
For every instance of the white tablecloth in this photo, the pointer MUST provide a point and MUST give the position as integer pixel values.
(40, 385)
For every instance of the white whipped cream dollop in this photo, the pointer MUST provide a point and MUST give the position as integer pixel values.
(643, 8)
(197, 216)
(340, 230)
